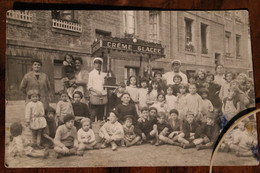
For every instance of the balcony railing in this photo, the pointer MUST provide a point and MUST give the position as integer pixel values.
(25, 16)
(66, 25)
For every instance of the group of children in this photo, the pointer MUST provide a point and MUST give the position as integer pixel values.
(185, 115)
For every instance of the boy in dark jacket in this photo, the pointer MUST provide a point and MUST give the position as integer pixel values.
(207, 133)
(189, 129)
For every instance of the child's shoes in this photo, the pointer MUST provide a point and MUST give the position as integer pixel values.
(114, 146)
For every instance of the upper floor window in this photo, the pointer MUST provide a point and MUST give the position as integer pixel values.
(129, 22)
(22, 15)
(66, 20)
(238, 46)
(100, 34)
(154, 21)
(203, 30)
(188, 35)
(227, 43)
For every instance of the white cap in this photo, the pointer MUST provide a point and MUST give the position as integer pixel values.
(176, 61)
(98, 59)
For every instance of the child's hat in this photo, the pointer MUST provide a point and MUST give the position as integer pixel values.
(98, 59)
(128, 117)
(174, 111)
(83, 120)
(176, 61)
(68, 117)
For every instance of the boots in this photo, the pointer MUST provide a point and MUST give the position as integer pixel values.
(114, 146)
(190, 145)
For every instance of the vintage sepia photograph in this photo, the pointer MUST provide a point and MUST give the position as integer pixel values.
(122, 88)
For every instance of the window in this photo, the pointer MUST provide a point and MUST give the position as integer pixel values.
(129, 22)
(100, 34)
(188, 35)
(154, 19)
(203, 30)
(238, 46)
(22, 15)
(227, 43)
(66, 20)
(130, 71)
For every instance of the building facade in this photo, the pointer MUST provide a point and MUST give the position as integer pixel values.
(200, 39)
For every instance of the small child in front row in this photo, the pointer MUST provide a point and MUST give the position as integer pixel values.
(64, 107)
(175, 123)
(34, 117)
(66, 142)
(130, 138)
(20, 146)
(146, 126)
(170, 99)
(86, 136)
(112, 131)
(189, 128)
(50, 129)
(207, 133)
(163, 130)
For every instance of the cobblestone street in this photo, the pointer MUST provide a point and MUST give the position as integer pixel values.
(143, 155)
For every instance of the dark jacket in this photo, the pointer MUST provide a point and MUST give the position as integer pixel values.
(189, 128)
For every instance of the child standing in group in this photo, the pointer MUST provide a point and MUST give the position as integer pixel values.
(160, 105)
(115, 98)
(64, 107)
(200, 78)
(231, 104)
(207, 133)
(182, 101)
(189, 128)
(177, 79)
(153, 91)
(50, 129)
(34, 117)
(142, 93)
(146, 127)
(133, 90)
(68, 74)
(206, 105)
(112, 131)
(130, 138)
(126, 108)
(250, 91)
(86, 136)
(170, 99)
(194, 101)
(161, 81)
(80, 109)
(229, 76)
(66, 142)
(20, 146)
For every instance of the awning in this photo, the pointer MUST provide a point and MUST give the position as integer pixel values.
(127, 48)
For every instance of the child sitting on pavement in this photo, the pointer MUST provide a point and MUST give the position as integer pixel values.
(66, 142)
(20, 146)
(146, 126)
(112, 131)
(86, 135)
(175, 123)
(207, 133)
(130, 138)
(188, 131)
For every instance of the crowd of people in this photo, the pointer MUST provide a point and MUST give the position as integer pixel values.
(163, 109)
